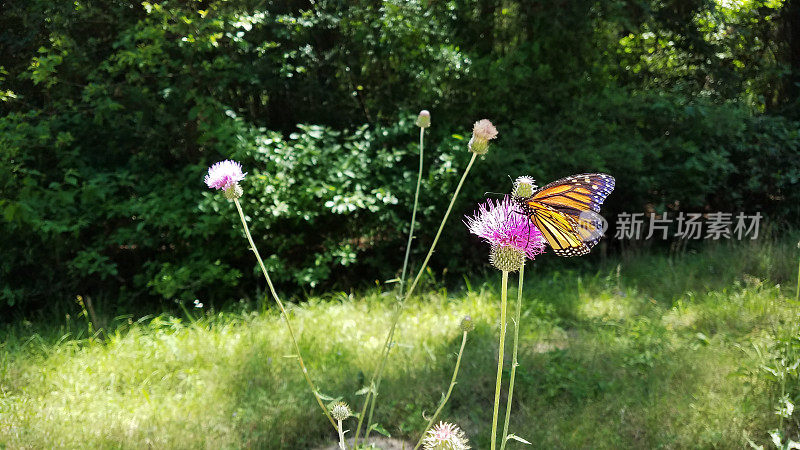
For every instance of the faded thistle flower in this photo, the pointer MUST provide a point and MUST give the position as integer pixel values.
(225, 176)
(512, 236)
(445, 436)
(482, 132)
(424, 119)
(467, 324)
(340, 411)
(524, 187)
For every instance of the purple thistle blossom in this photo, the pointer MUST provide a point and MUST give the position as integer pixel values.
(501, 225)
(224, 174)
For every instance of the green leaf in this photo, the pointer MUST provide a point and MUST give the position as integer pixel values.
(328, 398)
(363, 390)
(378, 428)
(517, 438)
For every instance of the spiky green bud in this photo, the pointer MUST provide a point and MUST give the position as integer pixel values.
(233, 191)
(467, 324)
(341, 411)
(505, 258)
(424, 119)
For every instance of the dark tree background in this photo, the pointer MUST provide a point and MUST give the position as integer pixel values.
(110, 112)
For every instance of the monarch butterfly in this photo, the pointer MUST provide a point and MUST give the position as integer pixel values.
(566, 211)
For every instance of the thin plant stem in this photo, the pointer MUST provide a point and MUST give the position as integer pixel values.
(783, 393)
(378, 381)
(341, 436)
(501, 347)
(413, 214)
(449, 390)
(285, 316)
(387, 345)
(405, 260)
(514, 363)
(797, 294)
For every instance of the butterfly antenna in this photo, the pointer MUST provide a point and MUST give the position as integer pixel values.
(493, 193)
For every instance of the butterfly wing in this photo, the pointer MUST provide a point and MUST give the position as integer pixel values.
(560, 230)
(578, 199)
(577, 193)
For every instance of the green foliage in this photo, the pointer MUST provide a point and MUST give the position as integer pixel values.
(111, 111)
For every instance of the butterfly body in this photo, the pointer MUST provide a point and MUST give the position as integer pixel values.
(566, 211)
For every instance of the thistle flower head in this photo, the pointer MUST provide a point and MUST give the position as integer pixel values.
(482, 132)
(226, 175)
(512, 236)
(340, 411)
(524, 187)
(424, 119)
(445, 436)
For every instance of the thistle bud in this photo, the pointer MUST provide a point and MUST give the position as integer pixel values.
(340, 411)
(467, 324)
(506, 258)
(524, 187)
(482, 132)
(233, 191)
(424, 119)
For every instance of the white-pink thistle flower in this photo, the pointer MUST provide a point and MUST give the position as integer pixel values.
(445, 436)
(226, 175)
(482, 132)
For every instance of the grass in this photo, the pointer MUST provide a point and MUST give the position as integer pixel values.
(647, 352)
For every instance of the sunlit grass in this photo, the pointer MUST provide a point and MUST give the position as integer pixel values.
(652, 357)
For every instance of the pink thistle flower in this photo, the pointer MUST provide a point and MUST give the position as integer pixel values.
(224, 174)
(507, 230)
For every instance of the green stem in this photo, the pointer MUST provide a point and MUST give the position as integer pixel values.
(396, 318)
(503, 296)
(378, 381)
(513, 357)
(341, 436)
(413, 214)
(285, 316)
(783, 392)
(797, 295)
(449, 390)
(405, 265)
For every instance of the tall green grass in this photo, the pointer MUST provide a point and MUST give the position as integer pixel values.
(648, 351)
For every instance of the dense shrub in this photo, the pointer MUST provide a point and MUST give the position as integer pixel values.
(110, 112)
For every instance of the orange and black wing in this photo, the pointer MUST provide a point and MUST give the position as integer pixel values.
(561, 231)
(577, 193)
(566, 212)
